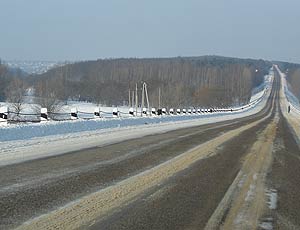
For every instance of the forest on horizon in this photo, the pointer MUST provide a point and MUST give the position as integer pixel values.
(183, 81)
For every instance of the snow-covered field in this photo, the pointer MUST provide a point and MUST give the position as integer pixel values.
(288, 99)
(292, 116)
(291, 99)
(31, 141)
(21, 131)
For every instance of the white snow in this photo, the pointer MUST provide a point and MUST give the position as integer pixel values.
(260, 90)
(242, 181)
(31, 141)
(250, 193)
(15, 132)
(289, 98)
(267, 224)
(272, 198)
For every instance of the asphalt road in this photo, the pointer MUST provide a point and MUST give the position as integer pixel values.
(157, 182)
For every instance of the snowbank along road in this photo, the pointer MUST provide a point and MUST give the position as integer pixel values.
(233, 174)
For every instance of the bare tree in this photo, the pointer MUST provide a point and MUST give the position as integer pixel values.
(52, 104)
(197, 81)
(46, 97)
(15, 95)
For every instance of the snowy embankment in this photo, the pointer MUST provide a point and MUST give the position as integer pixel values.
(258, 92)
(287, 99)
(290, 99)
(31, 141)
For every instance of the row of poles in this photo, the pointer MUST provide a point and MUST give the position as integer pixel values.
(133, 112)
(44, 115)
(133, 99)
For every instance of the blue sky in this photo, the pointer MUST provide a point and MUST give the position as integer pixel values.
(91, 29)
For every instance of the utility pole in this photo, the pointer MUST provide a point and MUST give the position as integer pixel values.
(132, 98)
(136, 99)
(129, 101)
(146, 92)
(142, 103)
(159, 97)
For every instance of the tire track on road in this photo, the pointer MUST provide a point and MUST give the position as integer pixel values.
(105, 201)
(244, 203)
(52, 185)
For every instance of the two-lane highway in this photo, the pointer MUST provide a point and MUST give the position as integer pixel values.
(201, 177)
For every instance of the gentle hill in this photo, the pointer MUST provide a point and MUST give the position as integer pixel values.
(6, 76)
(184, 81)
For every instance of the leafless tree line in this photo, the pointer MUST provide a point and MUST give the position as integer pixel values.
(198, 81)
(13, 90)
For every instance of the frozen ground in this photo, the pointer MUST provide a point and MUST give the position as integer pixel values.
(21, 131)
(291, 99)
(31, 141)
(14, 132)
(288, 99)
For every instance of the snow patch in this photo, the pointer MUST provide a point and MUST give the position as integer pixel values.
(250, 193)
(15, 132)
(242, 181)
(266, 224)
(272, 198)
(255, 176)
(21, 142)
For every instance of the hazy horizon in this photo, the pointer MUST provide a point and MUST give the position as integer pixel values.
(60, 30)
